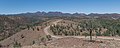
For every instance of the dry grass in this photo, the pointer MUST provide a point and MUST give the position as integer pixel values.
(29, 37)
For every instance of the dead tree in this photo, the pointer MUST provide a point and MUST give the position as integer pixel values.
(90, 34)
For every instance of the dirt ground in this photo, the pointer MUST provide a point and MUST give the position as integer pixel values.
(78, 43)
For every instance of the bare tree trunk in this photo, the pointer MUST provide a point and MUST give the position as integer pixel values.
(90, 34)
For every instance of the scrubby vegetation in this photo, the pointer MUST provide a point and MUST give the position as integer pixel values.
(64, 30)
(71, 25)
(102, 27)
(10, 25)
(91, 26)
(17, 45)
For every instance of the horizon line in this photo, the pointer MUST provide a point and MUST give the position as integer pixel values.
(61, 12)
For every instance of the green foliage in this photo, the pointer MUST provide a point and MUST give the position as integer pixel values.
(17, 45)
(85, 34)
(118, 32)
(43, 39)
(48, 37)
(64, 30)
(33, 29)
(112, 26)
(107, 33)
(37, 29)
(33, 42)
(98, 33)
(28, 27)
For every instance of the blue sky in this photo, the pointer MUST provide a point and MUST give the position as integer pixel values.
(69, 6)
